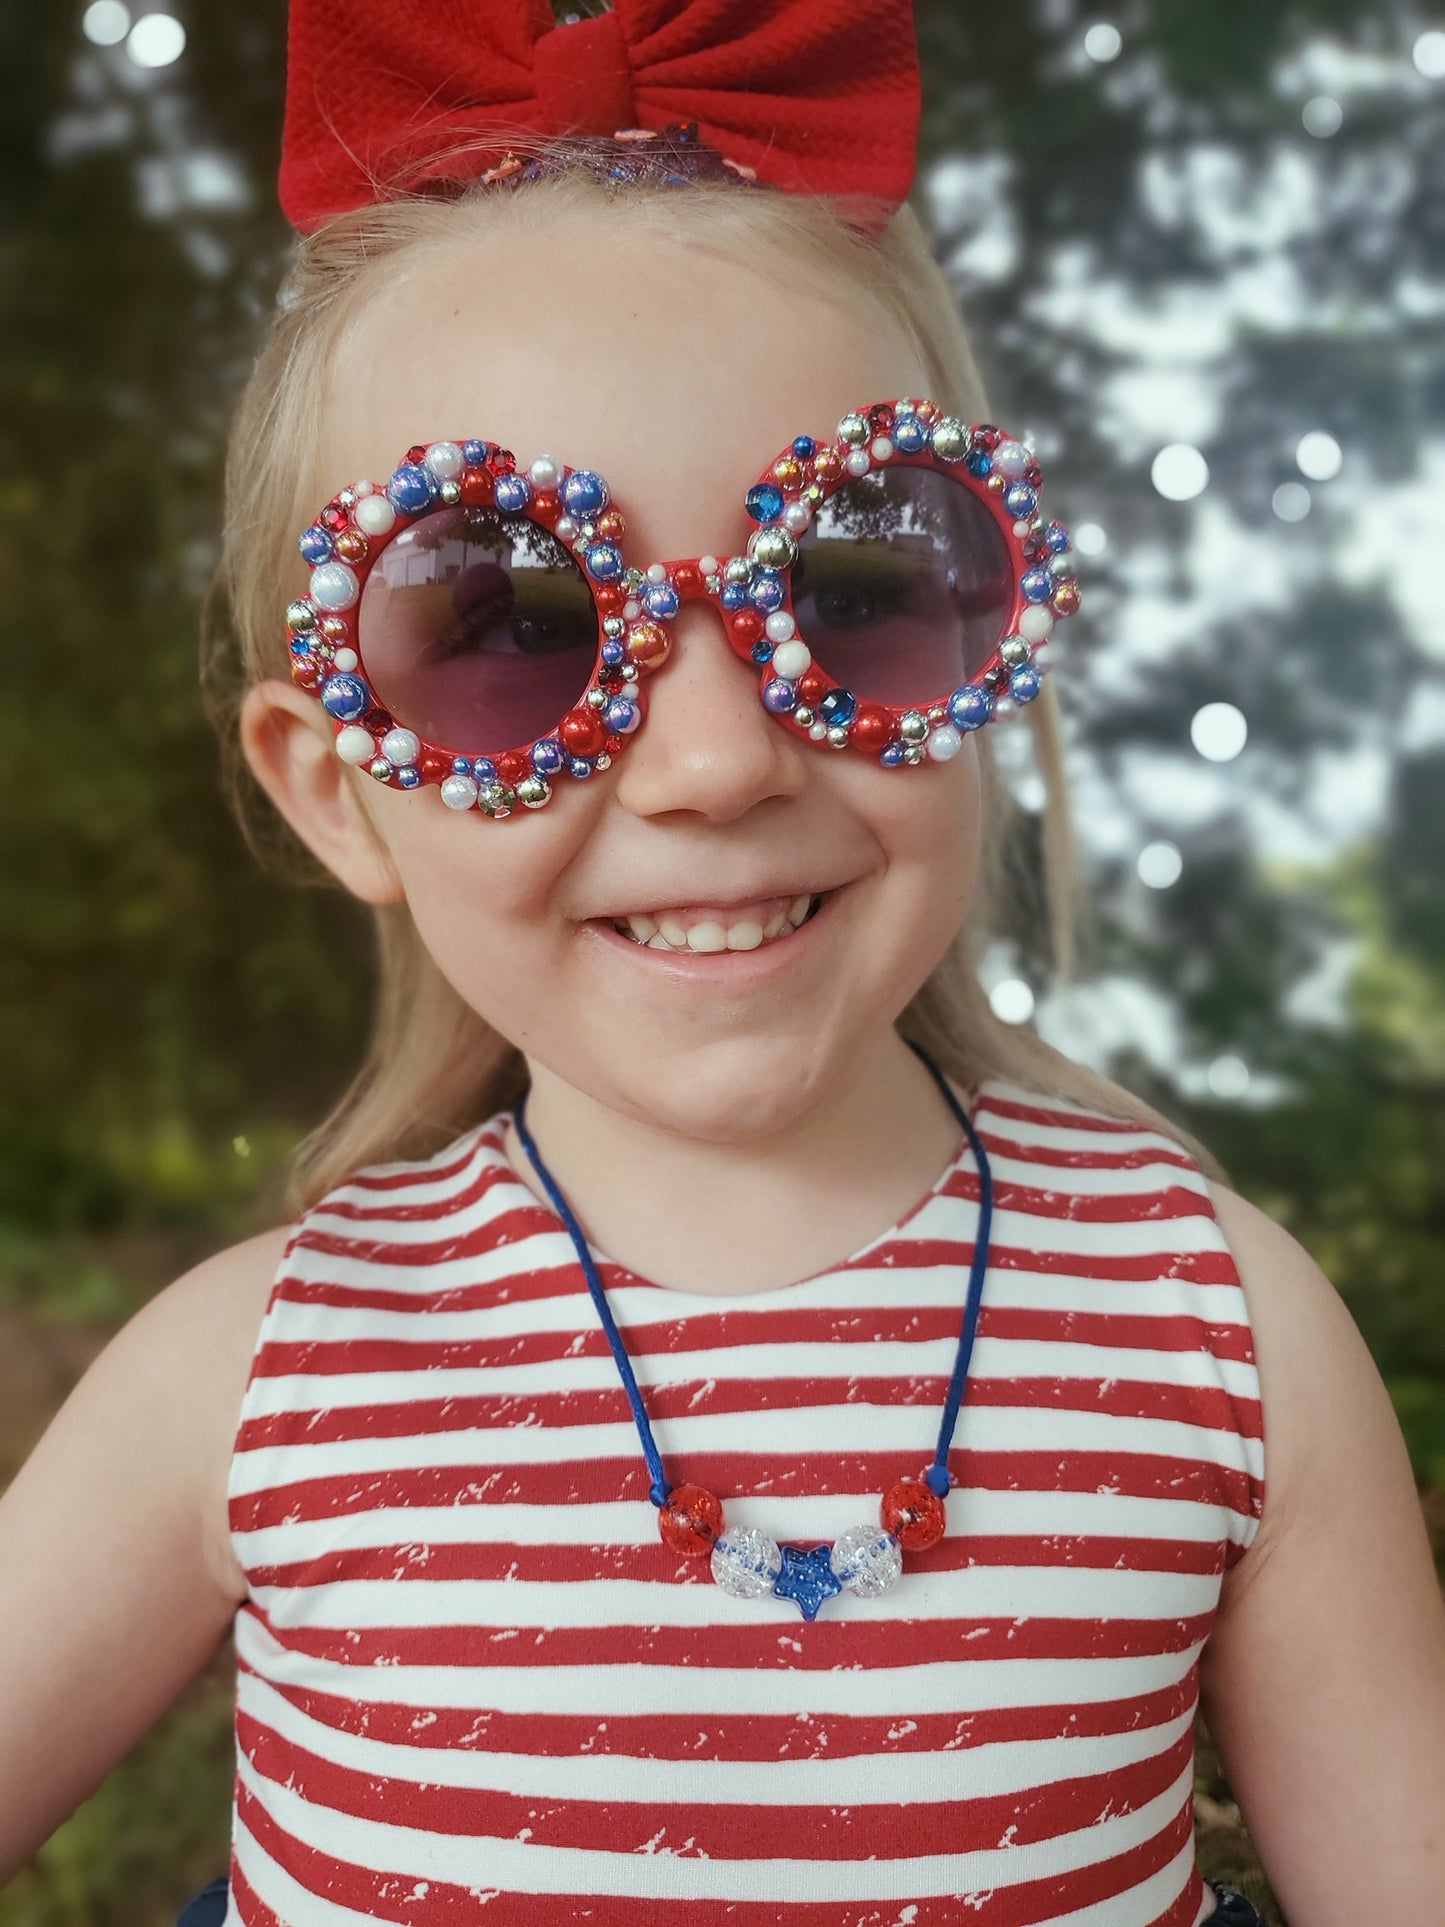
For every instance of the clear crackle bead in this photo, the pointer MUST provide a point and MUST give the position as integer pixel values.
(867, 1560)
(745, 1563)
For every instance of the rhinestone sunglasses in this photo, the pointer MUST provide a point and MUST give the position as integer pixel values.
(476, 624)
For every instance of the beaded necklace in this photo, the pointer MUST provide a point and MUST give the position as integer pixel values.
(863, 1559)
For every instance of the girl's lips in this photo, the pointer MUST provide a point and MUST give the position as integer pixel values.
(721, 969)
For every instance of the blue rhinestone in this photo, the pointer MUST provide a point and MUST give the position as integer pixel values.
(807, 1578)
(661, 601)
(604, 562)
(765, 502)
(1057, 537)
(344, 697)
(512, 493)
(316, 546)
(484, 769)
(409, 777)
(1020, 500)
(979, 462)
(461, 766)
(1024, 684)
(1037, 585)
(548, 756)
(412, 488)
(970, 707)
(766, 591)
(584, 493)
(910, 435)
(838, 706)
(612, 651)
(734, 595)
(762, 650)
(579, 767)
(779, 696)
(892, 755)
(474, 453)
(803, 447)
(300, 646)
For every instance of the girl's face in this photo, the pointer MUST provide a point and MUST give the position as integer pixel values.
(677, 376)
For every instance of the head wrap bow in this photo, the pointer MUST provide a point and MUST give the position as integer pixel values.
(815, 96)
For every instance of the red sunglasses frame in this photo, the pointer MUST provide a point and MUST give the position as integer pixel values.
(753, 594)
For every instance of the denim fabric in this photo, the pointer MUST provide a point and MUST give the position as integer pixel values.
(208, 1909)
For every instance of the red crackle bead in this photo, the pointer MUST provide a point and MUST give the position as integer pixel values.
(690, 1521)
(476, 486)
(812, 685)
(609, 597)
(747, 626)
(872, 728)
(581, 732)
(416, 453)
(914, 1514)
(513, 765)
(378, 721)
(434, 764)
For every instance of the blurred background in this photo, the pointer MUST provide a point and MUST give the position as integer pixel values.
(1202, 249)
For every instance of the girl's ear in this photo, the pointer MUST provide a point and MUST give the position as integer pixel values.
(290, 750)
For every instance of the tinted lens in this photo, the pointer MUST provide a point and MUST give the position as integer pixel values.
(477, 629)
(902, 585)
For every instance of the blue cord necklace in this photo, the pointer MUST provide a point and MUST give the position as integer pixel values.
(864, 1559)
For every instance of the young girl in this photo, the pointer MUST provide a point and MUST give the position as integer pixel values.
(734, 1432)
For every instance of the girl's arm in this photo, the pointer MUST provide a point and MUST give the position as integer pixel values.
(1324, 1680)
(116, 1575)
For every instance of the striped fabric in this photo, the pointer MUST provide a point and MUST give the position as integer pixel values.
(473, 1686)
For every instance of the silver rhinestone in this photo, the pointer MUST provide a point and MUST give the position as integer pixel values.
(914, 753)
(853, 430)
(346, 499)
(913, 727)
(602, 760)
(597, 697)
(713, 584)
(774, 548)
(589, 531)
(738, 569)
(950, 439)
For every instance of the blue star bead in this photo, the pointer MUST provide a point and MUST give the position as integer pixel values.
(807, 1578)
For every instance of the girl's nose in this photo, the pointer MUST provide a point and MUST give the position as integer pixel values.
(707, 744)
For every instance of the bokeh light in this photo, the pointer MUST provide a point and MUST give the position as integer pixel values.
(1218, 731)
(1319, 456)
(1090, 539)
(1012, 1001)
(1291, 501)
(1228, 1076)
(1429, 54)
(1160, 865)
(106, 23)
(1180, 472)
(1103, 42)
(156, 40)
(1323, 116)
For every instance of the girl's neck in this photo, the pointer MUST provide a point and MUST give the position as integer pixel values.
(752, 1213)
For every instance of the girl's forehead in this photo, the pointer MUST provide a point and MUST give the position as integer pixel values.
(676, 373)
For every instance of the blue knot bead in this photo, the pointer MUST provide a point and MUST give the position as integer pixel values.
(474, 453)
(512, 493)
(344, 697)
(1037, 585)
(579, 767)
(412, 488)
(838, 706)
(766, 591)
(804, 447)
(316, 545)
(1057, 537)
(910, 435)
(970, 707)
(734, 595)
(409, 777)
(1020, 500)
(584, 493)
(622, 716)
(604, 562)
(939, 1480)
(779, 696)
(661, 601)
(1024, 684)
(978, 463)
(548, 756)
(765, 502)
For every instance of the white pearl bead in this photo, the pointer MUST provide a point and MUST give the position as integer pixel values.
(359, 489)
(1021, 529)
(882, 448)
(858, 461)
(707, 564)
(796, 517)
(790, 659)
(333, 586)
(374, 515)
(400, 746)
(459, 792)
(944, 743)
(818, 732)
(1036, 624)
(445, 460)
(565, 529)
(546, 472)
(779, 626)
(631, 611)
(354, 744)
(656, 572)
(345, 660)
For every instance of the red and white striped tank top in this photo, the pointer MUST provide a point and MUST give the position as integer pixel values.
(474, 1686)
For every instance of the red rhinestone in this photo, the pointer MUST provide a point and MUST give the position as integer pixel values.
(416, 453)
(614, 745)
(812, 684)
(476, 485)
(988, 436)
(434, 764)
(914, 1515)
(333, 518)
(1066, 598)
(378, 721)
(513, 765)
(880, 418)
(581, 732)
(872, 727)
(503, 461)
(690, 1521)
(1034, 475)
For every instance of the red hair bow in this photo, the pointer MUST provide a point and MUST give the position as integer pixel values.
(816, 96)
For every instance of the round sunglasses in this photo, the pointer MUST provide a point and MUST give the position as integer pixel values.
(476, 625)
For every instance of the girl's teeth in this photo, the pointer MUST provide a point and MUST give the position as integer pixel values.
(666, 933)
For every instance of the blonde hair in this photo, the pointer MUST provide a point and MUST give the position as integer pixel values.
(433, 1066)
